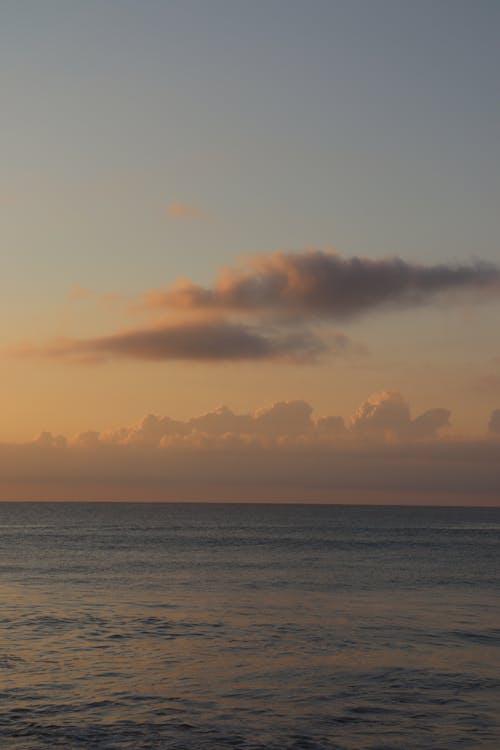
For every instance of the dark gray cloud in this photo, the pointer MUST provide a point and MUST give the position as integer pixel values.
(272, 309)
(325, 285)
(204, 341)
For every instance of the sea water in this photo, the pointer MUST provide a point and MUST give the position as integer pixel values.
(190, 626)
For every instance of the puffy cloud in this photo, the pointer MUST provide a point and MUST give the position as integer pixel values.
(179, 210)
(281, 419)
(87, 439)
(288, 418)
(494, 423)
(382, 417)
(428, 424)
(48, 440)
(383, 413)
(222, 421)
(147, 433)
(330, 426)
(387, 415)
(276, 453)
(324, 285)
(200, 340)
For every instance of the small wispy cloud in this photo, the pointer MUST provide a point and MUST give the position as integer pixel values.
(180, 210)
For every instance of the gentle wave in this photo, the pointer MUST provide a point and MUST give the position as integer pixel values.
(215, 627)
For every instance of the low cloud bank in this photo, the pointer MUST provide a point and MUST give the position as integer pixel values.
(383, 417)
(277, 453)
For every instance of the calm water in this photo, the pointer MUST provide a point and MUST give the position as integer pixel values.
(170, 626)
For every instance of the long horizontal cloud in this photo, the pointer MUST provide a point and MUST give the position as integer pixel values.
(324, 285)
(384, 417)
(204, 341)
(280, 452)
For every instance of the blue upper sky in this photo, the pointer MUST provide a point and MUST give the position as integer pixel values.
(372, 127)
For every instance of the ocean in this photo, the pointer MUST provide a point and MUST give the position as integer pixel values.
(143, 626)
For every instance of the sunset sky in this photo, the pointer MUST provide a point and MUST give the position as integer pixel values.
(274, 227)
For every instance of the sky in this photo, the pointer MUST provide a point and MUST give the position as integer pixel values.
(279, 218)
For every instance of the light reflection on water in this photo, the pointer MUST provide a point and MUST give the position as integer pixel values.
(128, 626)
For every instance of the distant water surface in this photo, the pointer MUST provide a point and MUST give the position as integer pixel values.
(134, 627)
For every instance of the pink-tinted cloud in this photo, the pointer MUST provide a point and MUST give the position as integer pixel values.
(323, 285)
(387, 415)
(184, 211)
(280, 452)
(383, 417)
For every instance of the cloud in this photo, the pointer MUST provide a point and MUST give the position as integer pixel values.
(381, 414)
(274, 309)
(324, 285)
(277, 453)
(288, 418)
(330, 426)
(48, 440)
(221, 421)
(281, 419)
(494, 423)
(429, 424)
(179, 210)
(387, 415)
(208, 341)
(383, 417)
(87, 439)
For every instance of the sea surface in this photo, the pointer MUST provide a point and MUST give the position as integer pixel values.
(190, 626)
